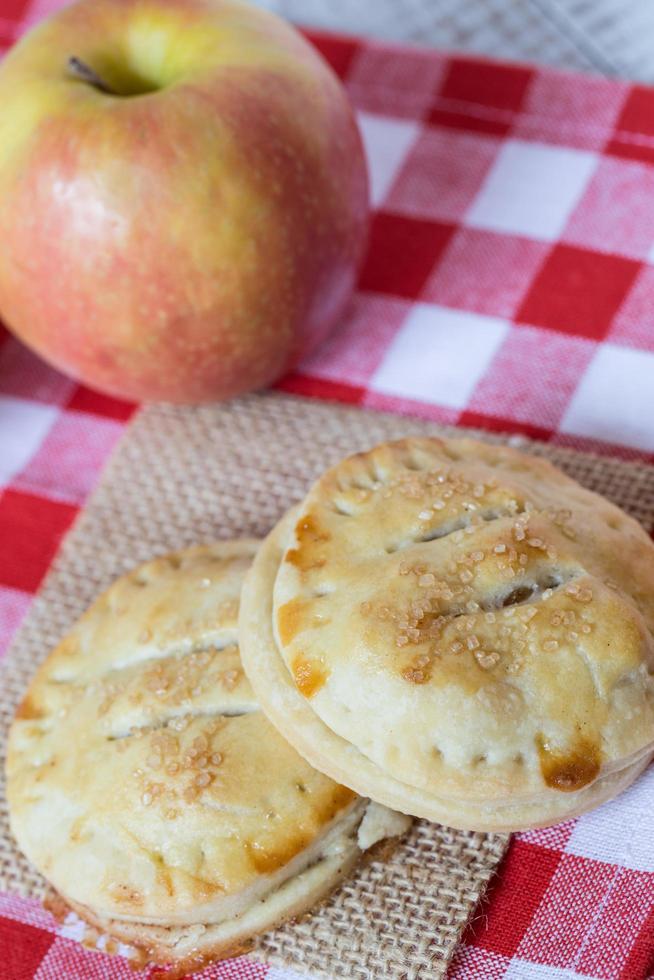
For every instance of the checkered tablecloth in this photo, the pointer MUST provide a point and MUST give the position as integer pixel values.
(509, 285)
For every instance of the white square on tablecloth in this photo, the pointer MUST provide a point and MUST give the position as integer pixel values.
(387, 143)
(23, 425)
(282, 973)
(620, 832)
(439, 354)
(615, 398)
(531, 189)
(522, 970)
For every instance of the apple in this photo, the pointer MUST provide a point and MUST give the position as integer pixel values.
(183, 196)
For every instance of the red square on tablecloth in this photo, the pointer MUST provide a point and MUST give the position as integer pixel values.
(337, 51)
(85, 399)
(525, 876)
(497, 89)
(578, 291)
(31, 529)
(500, 423)
(634, 129)
(314, 387)
(402, 253)
(22, 948)
(640, 960)
(13, 11)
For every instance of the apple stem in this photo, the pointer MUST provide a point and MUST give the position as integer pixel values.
(80, 70)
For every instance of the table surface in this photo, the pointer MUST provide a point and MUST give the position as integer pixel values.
(613, 37)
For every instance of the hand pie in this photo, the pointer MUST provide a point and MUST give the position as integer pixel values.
(459, 631)
(147, 786)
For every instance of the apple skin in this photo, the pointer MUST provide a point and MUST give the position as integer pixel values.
(190, 242)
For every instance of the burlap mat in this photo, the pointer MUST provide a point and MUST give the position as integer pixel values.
(186, 475)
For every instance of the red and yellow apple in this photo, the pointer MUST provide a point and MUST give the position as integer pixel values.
(183, 205)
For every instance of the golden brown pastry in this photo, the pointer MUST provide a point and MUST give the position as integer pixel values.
(147, 786)
(459, 631)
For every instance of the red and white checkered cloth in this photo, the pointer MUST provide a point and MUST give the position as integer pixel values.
(509, 285)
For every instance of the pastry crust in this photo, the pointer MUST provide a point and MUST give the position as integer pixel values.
(459, 631)
(146, 784)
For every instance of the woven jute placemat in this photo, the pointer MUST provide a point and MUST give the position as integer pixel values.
(183, 475)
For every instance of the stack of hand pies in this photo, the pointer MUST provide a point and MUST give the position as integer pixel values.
(449, 629)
